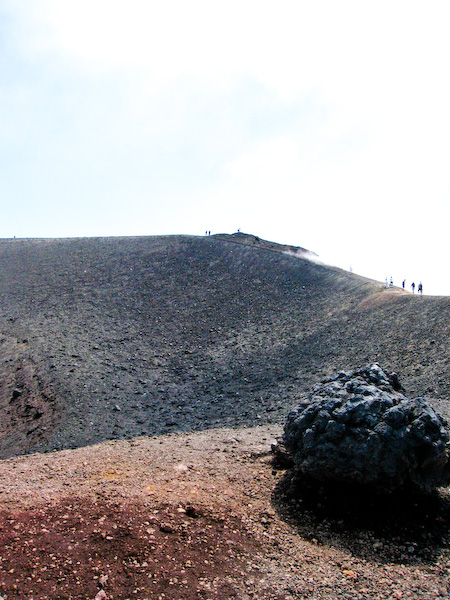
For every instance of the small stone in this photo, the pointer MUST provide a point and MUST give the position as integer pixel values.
(181, 468)
(192, 511)
(350, 574)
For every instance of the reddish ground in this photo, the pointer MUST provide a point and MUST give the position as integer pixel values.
(77, 547)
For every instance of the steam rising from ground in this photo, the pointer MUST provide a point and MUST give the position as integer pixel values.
(311, 256)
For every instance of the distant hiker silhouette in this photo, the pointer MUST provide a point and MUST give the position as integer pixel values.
(413, 287)
(391, 283)
(386, 282)
(403, 283)
(420, 288)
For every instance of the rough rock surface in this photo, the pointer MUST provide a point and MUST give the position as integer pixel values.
(359, 427)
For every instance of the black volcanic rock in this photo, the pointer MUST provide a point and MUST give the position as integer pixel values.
(359, 428)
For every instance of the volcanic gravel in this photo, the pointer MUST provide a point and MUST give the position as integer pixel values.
(109, 338)
(142, 383)
(206, 515)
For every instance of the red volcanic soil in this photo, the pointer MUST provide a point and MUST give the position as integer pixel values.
(204, 515)
(142, 382)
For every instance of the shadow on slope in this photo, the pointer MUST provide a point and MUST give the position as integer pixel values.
(143, 336)
(402, 527)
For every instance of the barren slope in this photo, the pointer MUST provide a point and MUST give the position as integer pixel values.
(108, 338)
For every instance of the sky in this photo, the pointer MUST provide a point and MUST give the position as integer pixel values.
(320, 124)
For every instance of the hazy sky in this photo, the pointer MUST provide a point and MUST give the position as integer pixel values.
(316, 123)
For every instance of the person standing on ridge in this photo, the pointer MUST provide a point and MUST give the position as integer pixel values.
(403, 283)
(413, 287)
(420, 288)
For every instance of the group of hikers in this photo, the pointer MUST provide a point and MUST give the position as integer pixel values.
(413, 285)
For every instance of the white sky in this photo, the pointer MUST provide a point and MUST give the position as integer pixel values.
(321, 124)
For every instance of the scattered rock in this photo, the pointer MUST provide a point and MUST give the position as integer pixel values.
(192, 511)
(282, 457)
(16, 393)
(181, 468)
(358, 427)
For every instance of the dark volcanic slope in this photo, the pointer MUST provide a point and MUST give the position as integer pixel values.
(104, 338)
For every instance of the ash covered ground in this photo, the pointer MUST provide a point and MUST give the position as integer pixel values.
(109, 338)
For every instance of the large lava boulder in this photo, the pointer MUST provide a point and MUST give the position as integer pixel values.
(360, 428)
